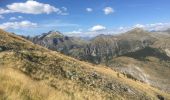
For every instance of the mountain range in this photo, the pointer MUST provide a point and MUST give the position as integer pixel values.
(142, 55)
(32, 72)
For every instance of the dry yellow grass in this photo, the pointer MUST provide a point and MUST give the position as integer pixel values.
(15, 85)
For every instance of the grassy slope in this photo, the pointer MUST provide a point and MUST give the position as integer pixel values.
(30, 71)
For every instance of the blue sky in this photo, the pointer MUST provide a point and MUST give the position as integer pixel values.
(83, 17)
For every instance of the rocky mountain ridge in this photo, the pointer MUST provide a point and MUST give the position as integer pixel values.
(141, 47)
(103, 47)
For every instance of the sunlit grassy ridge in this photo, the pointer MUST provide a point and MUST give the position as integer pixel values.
(32, 72)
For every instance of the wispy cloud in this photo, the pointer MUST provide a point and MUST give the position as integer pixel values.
(18, 25)
(58, 23)
(16, 18)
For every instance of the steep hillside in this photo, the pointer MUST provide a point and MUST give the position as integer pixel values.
(29, 71)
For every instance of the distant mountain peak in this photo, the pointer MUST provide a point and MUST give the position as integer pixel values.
(138, 30)
(54, 34)
(51, 34)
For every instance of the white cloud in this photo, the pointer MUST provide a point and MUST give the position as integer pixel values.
(108, 10)
(89, 9)
(16, 18)
(154, 27)
(139, 26)
(92, 31)
(32, 7)
(1, 17)
(18, 25)
(148, 27)
(121, 30)
(97, 28)
(79, 31)
(159, 26)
